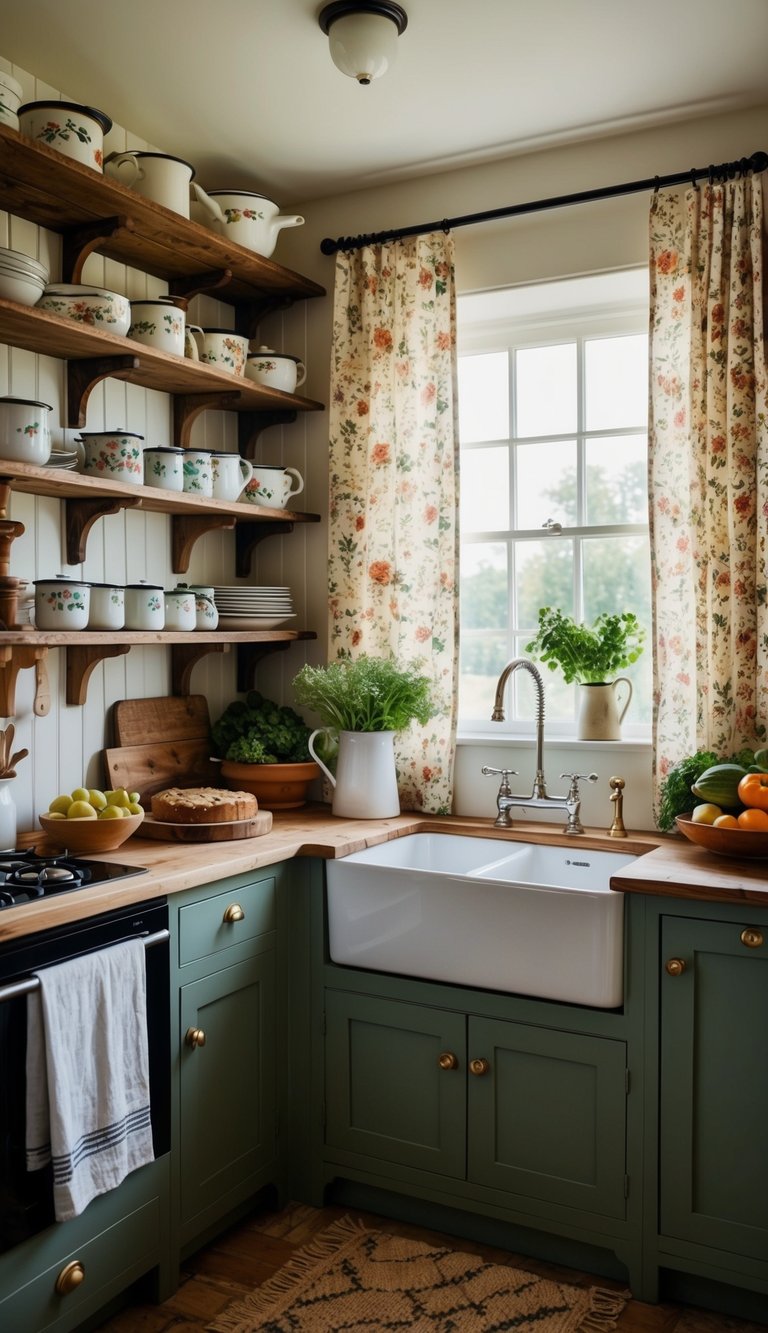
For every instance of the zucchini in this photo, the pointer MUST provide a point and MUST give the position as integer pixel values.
(719, 785)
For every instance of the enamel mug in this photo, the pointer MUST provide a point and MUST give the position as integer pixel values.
(271, 486)
(164, 467)
(61, 603)
(206, 611)
(198, 472)
(180, 610)
(221, 348)
(158, 323)
(107, 610)
(266, 366)
(144, 606)
(230, 474)
(156, 176)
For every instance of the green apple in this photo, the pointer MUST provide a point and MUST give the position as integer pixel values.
(111, 812)
(97, 798)
(60, 805)
(81, 810)
(81, 794)
(135, 809)
(706, 813)
(135, 797)
(56, 814)
(120, 797)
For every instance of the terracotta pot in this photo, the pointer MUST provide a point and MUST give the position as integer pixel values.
(275, 786)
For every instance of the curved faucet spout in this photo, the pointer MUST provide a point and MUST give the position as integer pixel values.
(498, 712)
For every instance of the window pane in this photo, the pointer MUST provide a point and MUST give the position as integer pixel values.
(546, 483)
(484, 620)
(616, 380)
(617, 578)
(546, 390)
(483, 397)
(485, 489)
(617, 479)
(543, 577)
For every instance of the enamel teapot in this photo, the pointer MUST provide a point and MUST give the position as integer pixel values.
(248, 219)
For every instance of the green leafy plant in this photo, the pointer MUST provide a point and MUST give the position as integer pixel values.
(257, 731)
(368, 694)
(590, 655)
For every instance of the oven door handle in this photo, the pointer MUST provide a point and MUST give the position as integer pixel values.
(15, 988)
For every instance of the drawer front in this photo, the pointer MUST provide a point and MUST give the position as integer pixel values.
(110, 1262)
(224, 919)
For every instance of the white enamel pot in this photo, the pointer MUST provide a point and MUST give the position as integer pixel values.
(115, 455)
(74, 130)
(158, 323)
(248, 219)
(25, 432)
(279, 371)
(61, 603)
(156, 176)
(144, 606)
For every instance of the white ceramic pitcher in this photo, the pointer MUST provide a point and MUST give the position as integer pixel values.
(599, 716)
(365, 785)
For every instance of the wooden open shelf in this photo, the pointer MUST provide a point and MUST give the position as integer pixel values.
(43, 186)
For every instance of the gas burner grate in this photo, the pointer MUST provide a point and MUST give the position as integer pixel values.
(39, 875)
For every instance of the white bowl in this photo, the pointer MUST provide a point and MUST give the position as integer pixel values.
(20, 287)
(10, 98)
(16, 259)
(88, 305)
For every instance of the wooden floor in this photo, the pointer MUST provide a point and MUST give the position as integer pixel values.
(250, 1253)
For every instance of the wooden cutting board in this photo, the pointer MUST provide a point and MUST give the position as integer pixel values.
(163, 742)
(224, 832)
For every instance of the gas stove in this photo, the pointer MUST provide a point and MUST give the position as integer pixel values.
(26, 876)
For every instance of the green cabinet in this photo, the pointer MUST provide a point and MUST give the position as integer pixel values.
(713, 1118)
(225, 945)
(534, 1112)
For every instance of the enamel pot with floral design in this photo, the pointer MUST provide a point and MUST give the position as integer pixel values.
(74, 130)
(25, 432)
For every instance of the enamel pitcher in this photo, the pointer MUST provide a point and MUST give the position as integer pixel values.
(365, 784)
(600, 714)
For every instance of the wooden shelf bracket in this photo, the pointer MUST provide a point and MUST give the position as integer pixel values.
(81, 659)
(251, 424)
(12, 661)
(184, 657)
(247, 537)
(79, 242)
(250, 654)
(80, 518)
(187, 408)
(249, 314)
(83, 376)
(186, 530)
(186, 288)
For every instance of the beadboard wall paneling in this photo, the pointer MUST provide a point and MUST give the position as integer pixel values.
(65, 747)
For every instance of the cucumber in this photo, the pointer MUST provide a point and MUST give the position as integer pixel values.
(719, 785)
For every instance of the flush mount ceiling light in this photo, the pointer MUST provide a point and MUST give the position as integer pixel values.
(363, 37)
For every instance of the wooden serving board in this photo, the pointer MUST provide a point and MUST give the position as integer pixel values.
(159, 743)
(136, 721)
(229, 831)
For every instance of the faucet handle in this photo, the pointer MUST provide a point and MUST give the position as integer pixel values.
(502, 772)
(581, 777)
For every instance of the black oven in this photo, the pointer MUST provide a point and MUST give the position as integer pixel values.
(26, 1198)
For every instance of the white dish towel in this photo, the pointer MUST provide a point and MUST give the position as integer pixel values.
(88, 1074)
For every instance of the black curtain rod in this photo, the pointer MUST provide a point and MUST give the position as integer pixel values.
(726, 171)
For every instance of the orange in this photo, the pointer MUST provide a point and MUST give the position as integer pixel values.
(754, 819)
(726, 821)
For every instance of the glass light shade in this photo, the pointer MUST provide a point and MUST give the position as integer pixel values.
(363, 45)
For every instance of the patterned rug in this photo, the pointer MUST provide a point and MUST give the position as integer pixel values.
(352, 1280)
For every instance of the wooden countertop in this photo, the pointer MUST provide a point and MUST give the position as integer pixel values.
(667, 866)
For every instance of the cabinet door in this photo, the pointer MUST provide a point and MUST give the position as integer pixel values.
(387, 1095)
(227, 1084)
(714, 1087)
(547, 1117)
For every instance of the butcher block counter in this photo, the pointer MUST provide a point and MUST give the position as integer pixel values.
(668, 866)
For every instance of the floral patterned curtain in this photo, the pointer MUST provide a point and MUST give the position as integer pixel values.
(393, 542)
(708, 471)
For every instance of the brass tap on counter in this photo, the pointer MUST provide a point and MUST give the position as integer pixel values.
(617, 829)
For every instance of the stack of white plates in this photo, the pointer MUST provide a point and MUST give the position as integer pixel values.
(22, 279)
(253, 608)
(66, 458)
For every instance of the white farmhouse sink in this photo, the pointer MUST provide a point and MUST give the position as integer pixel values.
(510, 916)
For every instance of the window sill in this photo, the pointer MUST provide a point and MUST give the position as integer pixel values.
(519, 741)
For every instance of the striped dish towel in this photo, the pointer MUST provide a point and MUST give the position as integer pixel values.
(87, 1071)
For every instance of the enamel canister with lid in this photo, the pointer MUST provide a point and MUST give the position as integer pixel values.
(115, 455)
(180, 612)
(25, 432)
(144, 606)
(62, 603)
(164, 467)
(107, 609)
(206, 611)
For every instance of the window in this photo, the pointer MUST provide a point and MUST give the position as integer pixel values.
(553, 388)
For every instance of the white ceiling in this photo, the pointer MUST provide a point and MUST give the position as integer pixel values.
(246, 91)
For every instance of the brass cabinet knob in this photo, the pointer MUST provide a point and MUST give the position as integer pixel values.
(70, 1277)
(479, 1067)
(447, 1060)
(194, 1037)
(675, 966)
(234, 913)
(752, 937)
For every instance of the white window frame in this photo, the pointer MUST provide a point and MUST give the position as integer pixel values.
(523, 326)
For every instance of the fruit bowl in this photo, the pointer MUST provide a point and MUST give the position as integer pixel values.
(86, 837)
(738, 842)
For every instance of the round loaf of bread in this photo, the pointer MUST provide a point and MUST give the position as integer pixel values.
(203, 805)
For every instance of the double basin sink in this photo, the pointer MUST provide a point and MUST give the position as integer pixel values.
(483, 912)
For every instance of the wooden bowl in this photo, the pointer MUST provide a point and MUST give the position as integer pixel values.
(737, 842)
(276, 786)
(89, 837)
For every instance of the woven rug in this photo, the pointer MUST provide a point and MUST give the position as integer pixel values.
(352, 1280)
